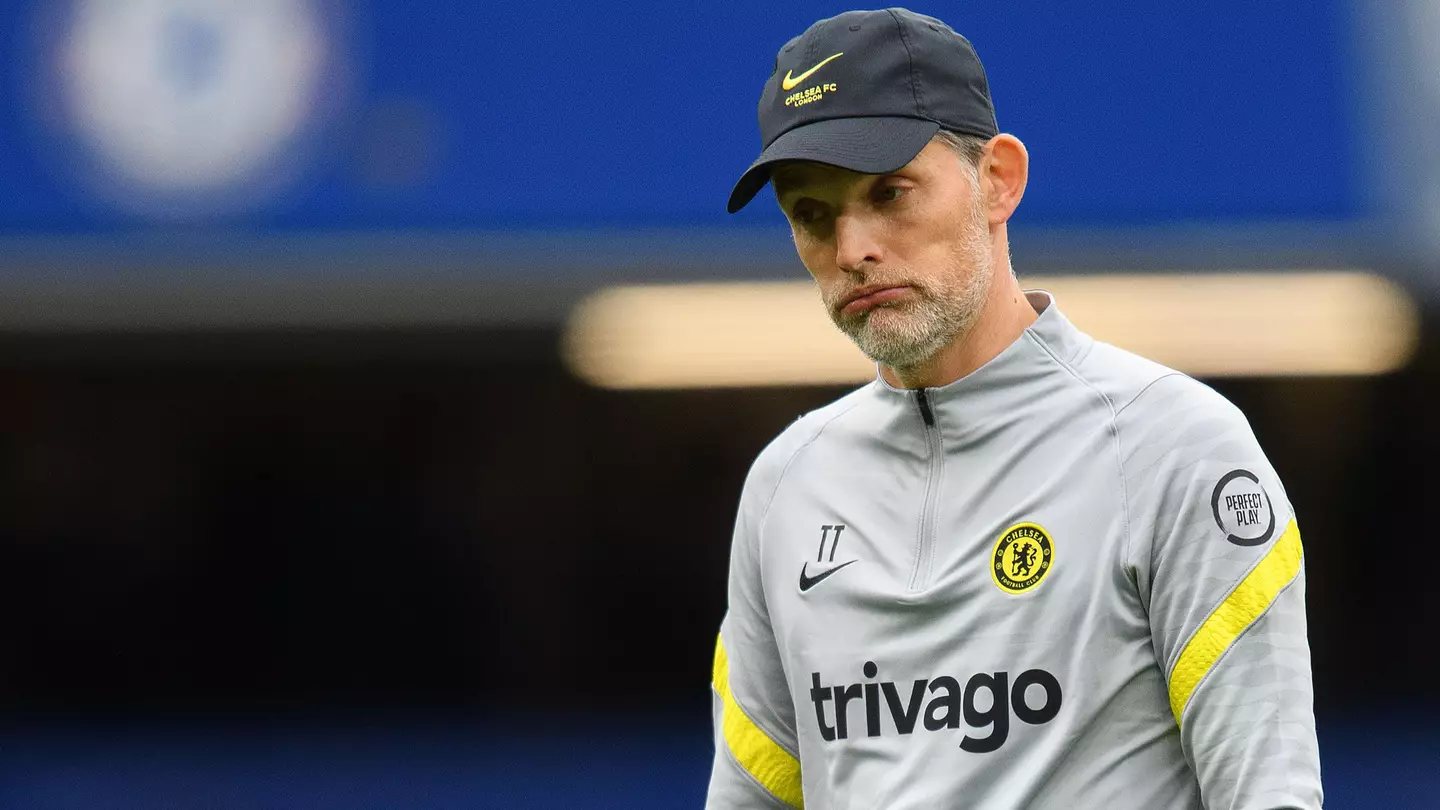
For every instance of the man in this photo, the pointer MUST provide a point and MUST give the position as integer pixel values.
(1022, 568)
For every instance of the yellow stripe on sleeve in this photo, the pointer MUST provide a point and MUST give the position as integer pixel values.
(772, 766)
(1250, 599)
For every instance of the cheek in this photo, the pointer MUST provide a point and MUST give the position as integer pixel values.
(948, 236)
(819, 261)
(826, 275)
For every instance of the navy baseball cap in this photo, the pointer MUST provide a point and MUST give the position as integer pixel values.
(866, 90)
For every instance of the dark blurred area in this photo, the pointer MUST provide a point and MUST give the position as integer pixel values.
(370, 521)
(306, 502)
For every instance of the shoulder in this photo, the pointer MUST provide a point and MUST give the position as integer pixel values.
(770, 465)
(1147, 396)
(1181, 441)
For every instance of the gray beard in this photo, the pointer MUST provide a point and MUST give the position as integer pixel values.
(907, 335)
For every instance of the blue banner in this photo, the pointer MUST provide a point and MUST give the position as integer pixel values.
(313, 115)
(616, 763)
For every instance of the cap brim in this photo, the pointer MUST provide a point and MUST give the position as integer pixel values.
(876, 145)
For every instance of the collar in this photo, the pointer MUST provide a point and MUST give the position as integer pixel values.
(1015, 376)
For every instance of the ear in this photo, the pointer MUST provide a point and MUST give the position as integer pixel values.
(1004, 170)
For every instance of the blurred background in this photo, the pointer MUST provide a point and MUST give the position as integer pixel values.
(377, 379)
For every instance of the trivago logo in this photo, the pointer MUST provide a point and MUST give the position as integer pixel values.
(947, 704)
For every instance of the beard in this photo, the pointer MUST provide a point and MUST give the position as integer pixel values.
(938, 312)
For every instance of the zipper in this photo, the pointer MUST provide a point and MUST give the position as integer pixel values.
(925, 544)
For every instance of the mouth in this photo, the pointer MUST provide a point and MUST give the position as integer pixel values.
(867, 298)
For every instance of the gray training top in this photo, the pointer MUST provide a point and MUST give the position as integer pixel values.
(1069, 580)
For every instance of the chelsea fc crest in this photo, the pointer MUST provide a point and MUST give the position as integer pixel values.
(1023, 557)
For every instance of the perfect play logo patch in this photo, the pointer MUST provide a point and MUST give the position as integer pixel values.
(1242, 509)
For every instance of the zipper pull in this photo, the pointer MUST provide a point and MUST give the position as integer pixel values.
(925, 412)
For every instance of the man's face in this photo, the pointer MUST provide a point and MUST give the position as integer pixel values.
(903, 261)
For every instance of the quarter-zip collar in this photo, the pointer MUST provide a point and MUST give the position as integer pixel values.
(1012, 379)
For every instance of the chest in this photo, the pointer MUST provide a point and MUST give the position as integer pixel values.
(945, 549)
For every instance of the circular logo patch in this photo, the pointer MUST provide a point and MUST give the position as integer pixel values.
(1023, 556)
(1242, 509)
(179, 108)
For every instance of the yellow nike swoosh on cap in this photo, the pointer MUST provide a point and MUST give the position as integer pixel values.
(788, 83)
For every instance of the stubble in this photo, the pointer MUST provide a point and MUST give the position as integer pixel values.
(941, 310)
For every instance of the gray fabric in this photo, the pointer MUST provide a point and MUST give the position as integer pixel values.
(1118, 460)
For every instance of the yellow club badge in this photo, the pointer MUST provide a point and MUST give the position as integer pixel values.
(1023, 556)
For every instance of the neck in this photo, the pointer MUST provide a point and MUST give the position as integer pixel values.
(1005, 315)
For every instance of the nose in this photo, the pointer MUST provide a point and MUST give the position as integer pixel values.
(856, 247)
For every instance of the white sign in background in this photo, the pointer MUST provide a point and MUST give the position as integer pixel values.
(192, 106)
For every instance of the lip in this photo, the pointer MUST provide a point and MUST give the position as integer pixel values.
(867, 298)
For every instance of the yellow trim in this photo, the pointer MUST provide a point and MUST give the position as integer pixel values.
(1250, 599)
(771, 765)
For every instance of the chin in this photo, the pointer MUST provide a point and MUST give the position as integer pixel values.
(895, 350)
(891, 321)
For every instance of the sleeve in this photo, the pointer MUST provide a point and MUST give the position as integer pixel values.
(1217, 558)
(756, 761)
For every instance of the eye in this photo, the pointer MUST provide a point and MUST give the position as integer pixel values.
(890, 192)
(805, 212)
